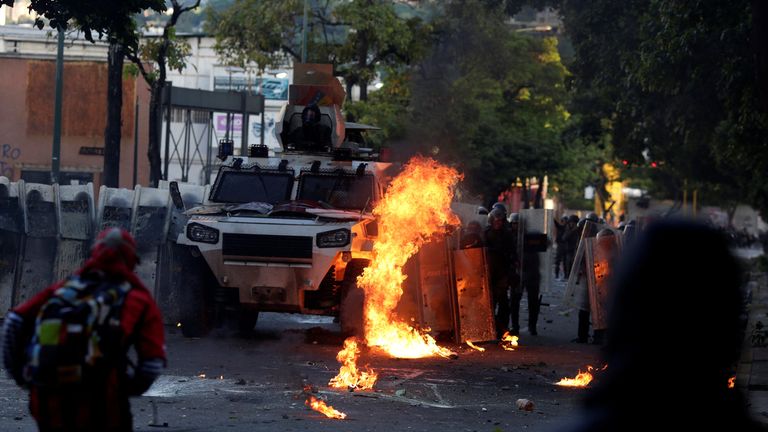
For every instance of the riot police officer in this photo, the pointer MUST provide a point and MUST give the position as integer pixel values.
(500, 244)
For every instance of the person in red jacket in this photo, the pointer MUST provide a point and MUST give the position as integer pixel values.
(102, 404)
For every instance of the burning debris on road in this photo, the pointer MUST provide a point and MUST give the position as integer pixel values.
(349, 375)
(582, 379)
(320, 406)
(509, 342)
(471, 345)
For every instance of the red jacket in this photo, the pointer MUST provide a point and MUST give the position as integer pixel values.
(104, 408)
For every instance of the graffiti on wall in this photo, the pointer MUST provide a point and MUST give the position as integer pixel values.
(8, 155)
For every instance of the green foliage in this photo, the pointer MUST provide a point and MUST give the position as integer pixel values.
(253, 31)
(677, 80)
(110, 18)
(358, 37)
(176, 53)
(490, 99)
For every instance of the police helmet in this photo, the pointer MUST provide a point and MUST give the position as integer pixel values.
(573, 218)
(494, 215)
(514, 218)
(592, 217)
(499, 206)
(605, 232)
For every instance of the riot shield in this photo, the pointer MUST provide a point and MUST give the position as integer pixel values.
(600, 253)
(427, 297)
(539, 236)
(75, 214)
(173, 258)
(115, 208)
(473, 296)
(576, 291)
(11, 229)
(149, 228)
(38, 245)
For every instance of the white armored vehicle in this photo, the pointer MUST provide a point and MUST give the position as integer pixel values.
(282, 231)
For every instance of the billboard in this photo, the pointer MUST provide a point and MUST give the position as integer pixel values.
(271, 88)
(254, 128)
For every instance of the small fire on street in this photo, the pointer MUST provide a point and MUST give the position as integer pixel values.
(731, 382)
(415, 207)
(471, 345)
(349, 375)
(582, 379)
(509, 342)
(321, 407)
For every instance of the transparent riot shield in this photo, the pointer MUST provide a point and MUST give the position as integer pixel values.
(149, 228)
(115, 208)
(75, 214)
(38, 245)
(11, 229)
(473, 296)
(173, 258)
(539, 231)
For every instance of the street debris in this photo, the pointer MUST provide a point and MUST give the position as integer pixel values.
(524, 405)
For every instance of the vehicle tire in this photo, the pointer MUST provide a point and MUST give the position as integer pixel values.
(352, 299)
(191, 289)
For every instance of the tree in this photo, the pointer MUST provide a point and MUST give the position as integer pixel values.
(165, 52)
(357, 37)
(490, 99)
(115, 21)
(678, 84)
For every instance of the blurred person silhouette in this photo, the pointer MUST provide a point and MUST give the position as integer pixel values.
(313, 135)
(663, 372)
(472, 236)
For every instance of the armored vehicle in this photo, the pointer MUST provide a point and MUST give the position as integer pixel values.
(283, 231)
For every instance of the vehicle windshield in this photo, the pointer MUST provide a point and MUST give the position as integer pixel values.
(342, 191)
(252, 186)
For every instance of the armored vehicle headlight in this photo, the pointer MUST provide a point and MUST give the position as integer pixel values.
(201, 233)
(335, 238)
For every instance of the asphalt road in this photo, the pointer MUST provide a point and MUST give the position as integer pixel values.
(222, 382)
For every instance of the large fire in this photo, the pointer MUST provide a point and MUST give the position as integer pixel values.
(321, 407)
(415, 207)
(349, 375)
(582, 379)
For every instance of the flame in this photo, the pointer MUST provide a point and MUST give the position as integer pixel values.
(582, 379)
(349, 375)
(327, 410)
(509, 342)
(481, 349)
(732, 382)
(415, 207)
(201, 375)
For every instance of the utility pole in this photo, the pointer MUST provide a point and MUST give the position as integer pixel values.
(304, 33)
(56, 152)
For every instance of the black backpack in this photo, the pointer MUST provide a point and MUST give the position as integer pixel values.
(77, 333)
